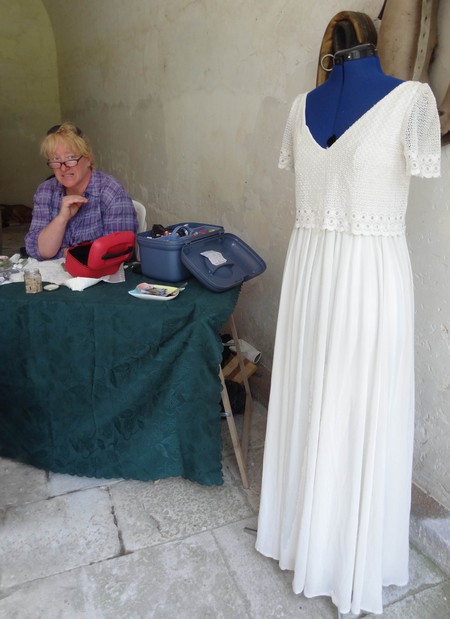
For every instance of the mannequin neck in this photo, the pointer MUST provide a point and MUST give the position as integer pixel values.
(352, 72)
(365, 50)
(355, 84)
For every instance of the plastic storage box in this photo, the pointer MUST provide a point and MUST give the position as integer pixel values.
(161, 256)
(218, 259)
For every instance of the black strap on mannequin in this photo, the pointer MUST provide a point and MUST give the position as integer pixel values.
(359, 51)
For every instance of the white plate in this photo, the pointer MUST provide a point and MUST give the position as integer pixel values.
(171, 290)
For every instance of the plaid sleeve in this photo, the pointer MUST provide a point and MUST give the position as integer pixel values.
(42, 216)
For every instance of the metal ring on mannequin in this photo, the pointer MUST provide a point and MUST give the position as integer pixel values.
(323, 58)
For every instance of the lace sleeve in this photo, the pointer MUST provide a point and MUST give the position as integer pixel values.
(423, 136)
(286, 161)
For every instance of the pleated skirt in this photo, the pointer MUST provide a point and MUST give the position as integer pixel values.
(336, 487)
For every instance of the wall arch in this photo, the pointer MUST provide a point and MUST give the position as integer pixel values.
(30, 96)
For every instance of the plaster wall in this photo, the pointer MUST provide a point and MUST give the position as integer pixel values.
(29, 102)
(186, 100)
(428, 225)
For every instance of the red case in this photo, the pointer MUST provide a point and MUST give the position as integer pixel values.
(100, 257)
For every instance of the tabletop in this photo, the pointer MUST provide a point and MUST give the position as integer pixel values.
(101, 384)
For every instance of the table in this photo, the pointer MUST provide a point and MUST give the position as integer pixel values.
(101, 384)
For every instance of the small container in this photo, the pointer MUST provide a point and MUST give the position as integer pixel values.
(33, 280)
(161, 256)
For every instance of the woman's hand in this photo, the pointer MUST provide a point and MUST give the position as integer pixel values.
(70, 205)
(51, 237)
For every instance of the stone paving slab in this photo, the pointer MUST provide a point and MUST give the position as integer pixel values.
(187, 579)
(152, 513)
(430, 603)
(51, 536)
(430, 528)
(266, 588)
(20, 483)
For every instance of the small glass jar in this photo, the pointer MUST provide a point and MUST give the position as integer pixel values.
(33, 280)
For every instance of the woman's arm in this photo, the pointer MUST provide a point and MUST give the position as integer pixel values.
(51, 237)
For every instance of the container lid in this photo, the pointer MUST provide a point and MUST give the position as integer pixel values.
(100, 257)
(222, 261)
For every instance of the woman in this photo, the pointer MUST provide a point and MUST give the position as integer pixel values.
(79, 203)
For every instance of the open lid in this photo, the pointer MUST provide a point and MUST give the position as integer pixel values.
(113, 248)
(222, 261)
(102, 256)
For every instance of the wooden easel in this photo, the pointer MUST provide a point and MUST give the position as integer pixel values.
(240, 446)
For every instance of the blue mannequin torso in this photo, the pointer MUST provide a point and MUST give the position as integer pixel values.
(351, 90)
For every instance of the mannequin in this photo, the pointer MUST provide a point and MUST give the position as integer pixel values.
(336, 484)
(356, 84)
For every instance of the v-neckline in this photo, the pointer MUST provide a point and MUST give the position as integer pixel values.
(357, 121)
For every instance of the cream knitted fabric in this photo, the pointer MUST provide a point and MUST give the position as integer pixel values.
(336, 485)
(360, 184)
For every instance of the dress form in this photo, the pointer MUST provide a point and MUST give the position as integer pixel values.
(356, 84)
(335, 490)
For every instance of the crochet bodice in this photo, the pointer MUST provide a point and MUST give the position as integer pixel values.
(360, 184)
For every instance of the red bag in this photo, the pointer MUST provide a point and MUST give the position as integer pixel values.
(100, 257)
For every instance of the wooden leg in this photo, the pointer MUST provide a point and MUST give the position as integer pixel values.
(233, 432)
(248, 412)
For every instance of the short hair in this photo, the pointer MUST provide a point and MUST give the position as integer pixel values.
(55, 128)
(71, 135)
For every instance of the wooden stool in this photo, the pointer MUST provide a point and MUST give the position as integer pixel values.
(240, 446)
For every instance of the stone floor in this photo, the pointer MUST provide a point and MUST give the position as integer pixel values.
(97, 549)
(77, 548)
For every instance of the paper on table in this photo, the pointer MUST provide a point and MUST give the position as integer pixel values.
(215, 257)
(80, 283)
(53, 271)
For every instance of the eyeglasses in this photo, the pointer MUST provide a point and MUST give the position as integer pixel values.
(69, 163)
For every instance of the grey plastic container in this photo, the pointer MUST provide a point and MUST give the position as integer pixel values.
(161, 256)
(238, 261)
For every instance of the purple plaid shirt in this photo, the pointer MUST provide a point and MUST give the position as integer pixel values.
(109, 209)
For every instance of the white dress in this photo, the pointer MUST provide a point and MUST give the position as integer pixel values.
(336, 485)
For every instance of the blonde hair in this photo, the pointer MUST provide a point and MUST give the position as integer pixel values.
(68, 133)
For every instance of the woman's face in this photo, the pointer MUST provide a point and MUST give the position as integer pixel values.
(74, 179)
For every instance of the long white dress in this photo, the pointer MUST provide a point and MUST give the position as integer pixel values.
(335, 498)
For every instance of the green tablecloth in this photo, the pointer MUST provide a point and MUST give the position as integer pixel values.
(100, 384)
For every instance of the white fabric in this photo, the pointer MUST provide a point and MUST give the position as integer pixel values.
(336, 485)
(53, 271)
(364, 195)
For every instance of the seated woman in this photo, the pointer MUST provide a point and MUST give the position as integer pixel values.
(79, 203)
